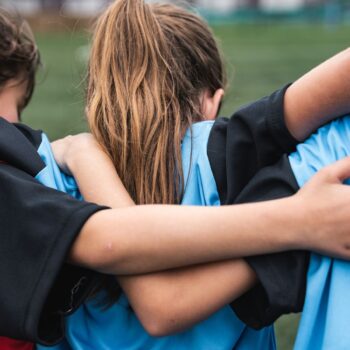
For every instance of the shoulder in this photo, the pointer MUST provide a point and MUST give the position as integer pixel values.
(30, 150)
(32, 135)
(51, 175)
(18, 147)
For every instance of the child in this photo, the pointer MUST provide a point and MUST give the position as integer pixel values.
(142, 129)
(296, 281)
(19, 61)
(44, 226)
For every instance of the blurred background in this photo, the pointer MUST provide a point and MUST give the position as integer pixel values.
(267, 43)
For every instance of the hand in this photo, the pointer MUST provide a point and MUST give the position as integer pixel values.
(327, 211)
(68, 149)
(82, 157)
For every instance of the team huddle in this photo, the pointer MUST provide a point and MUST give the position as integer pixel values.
(105, 240)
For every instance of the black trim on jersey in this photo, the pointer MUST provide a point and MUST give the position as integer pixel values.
(238, 148)
(33, 136)
(254, 137)
(282, 276)
(72, 287)
(17, 149)
(38, 227)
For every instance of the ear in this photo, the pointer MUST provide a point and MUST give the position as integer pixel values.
(211, 104)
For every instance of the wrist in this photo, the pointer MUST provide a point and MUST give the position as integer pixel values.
(304, 220)
(294, 223)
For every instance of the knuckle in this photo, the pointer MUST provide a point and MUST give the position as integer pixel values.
(323, 173)
(328, 172)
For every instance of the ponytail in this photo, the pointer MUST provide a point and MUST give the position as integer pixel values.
(149, 65)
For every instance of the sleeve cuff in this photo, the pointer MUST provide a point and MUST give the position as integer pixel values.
(276, 122)
(54, 294)
(281, 288)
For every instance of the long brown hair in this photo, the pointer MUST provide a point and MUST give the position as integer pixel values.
(149, 65)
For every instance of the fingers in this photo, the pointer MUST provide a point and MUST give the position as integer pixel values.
(338, 171)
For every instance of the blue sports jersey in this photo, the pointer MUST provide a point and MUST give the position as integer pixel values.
(326, 315)
(117, 327)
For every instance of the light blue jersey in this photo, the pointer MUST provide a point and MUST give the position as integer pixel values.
(51, 176)
(117, 328)
(325, 320)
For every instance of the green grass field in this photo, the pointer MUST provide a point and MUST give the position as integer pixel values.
(260, 58)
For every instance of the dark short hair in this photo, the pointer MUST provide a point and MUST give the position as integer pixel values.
(19, 54)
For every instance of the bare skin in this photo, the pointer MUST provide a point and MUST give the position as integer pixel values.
(138, 246)
(319, 96)
(226, 280)
(113, 242)
(11, 99)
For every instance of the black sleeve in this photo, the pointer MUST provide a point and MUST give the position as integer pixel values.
(38, 226)
(241, 152)
(282, 276)
(254, 137)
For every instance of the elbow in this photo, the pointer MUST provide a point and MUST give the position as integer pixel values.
(160, 327)
(160, 323)
(155, 328)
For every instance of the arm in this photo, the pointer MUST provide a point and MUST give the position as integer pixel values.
(281, 277)
(165, 302)
(325, 84)
(258, 134)
(156, 237)
(255, 137)
(319, 96)
(180, 236)
(152, 296)
(174, 300)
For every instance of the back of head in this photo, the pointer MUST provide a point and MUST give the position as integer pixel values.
(19, 55)
(149, 65)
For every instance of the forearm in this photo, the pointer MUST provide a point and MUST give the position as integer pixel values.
(145, 239)
(153, 238)
(319, 96)
(172, 301)
(97, 178)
